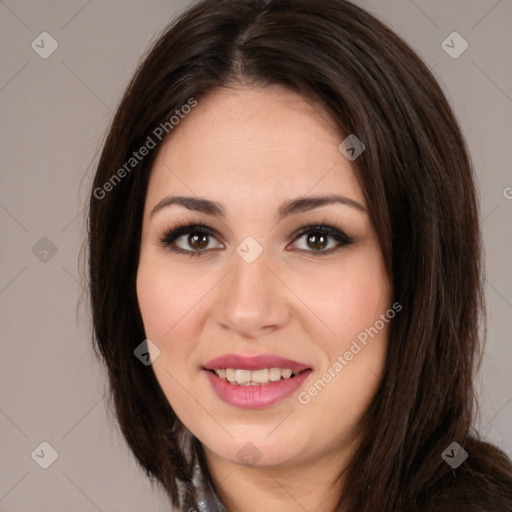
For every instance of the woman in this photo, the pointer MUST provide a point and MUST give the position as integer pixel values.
(285, 269)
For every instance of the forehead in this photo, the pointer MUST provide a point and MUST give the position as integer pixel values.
(269, 142)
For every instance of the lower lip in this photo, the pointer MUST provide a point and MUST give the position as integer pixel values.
(255, 397)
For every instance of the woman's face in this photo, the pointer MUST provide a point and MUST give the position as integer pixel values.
(260, 292)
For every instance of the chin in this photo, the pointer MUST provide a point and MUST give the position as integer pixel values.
(258, 450)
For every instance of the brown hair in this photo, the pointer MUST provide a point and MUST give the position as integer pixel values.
(418, 182)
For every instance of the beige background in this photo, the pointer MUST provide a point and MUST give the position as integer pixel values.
(54, 113)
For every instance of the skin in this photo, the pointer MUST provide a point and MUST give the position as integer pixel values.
(251, 149)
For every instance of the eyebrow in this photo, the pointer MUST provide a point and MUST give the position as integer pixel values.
(290, 207)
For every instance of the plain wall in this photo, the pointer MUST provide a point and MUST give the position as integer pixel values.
(54, 113)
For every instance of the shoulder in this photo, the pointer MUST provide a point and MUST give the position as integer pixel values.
(482, 483)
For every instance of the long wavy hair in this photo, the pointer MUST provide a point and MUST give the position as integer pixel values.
(418, 182)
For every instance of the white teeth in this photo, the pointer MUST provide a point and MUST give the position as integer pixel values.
(275, 374)
(243, 376)
(255, 377)
(260, 375)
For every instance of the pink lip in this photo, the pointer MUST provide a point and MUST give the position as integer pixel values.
(253, 362)
(262, 395)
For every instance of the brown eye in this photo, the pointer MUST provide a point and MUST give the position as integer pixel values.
(190, 239)
(198, 241)
(317, 241)
(321, 239)
(195, 241)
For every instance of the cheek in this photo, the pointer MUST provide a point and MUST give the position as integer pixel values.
(346, 298)
(353, 364)
(350, 301)
(166, 303)
(170, 302)
(171, 309)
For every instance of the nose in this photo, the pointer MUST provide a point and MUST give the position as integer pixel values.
(251, 300)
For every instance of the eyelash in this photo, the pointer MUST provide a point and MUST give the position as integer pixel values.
(170, 235)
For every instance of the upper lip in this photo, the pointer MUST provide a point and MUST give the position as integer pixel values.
(253, 362)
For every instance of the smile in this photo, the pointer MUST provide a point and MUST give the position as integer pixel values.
(255, 377)
(254, 382)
